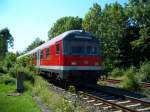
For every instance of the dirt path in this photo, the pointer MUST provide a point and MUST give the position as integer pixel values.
(41, 105)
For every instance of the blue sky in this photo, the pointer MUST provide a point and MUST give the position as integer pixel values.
(28, 19)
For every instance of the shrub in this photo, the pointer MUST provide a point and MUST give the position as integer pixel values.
(130, 81)
(3, 69)
(117, 72)
(72, 89)
(54, 101)
(146, 92)
(10, 60)
(144, 72)
(13, 72)
(26, 61)
(28, 75)
(6, 79)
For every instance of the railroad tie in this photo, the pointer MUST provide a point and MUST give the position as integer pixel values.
(134, 105)
(90, 101)
(122, 102)
(144, 109)
(118, 111)
(111, 100)
(115, 100)
(98, 104)
(107, 107)
(85, 98)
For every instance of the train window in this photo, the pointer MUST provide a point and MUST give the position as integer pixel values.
(41, 54)
(47, 53)
(35, 55)
(95, 50)
(77, 50)
(91, 50)
(57, 49)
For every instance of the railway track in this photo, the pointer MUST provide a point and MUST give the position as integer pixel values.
(114, 103)
(114, 81)
(103, 101)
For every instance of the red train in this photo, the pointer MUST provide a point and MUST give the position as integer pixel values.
(72, 56)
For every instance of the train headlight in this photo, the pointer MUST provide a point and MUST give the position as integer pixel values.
(86, 62)
(97, 63)
(73, 63)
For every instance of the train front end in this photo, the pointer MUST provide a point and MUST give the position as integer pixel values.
(81, 58)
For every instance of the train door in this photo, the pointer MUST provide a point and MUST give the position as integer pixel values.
(58, 53)
(38, 58)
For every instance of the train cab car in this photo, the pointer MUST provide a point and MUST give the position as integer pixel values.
(72, 56)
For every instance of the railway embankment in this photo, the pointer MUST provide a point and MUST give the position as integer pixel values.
(38, 97)
(55, 98)
(131, 79)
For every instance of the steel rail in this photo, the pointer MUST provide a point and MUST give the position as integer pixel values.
(123, 108)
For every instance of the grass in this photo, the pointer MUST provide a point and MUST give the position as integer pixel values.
(146, 92)
(22, 103)
(54, 101)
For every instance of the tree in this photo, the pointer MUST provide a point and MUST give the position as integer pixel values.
(111, 29)
(92, 19)
(10, 60)
(6, 41)
(34, 44)
(64, 24)
(139, 11)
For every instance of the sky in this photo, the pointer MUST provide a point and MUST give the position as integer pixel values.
(29, 19)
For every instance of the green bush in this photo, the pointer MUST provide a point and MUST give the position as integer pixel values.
(130, 81)
(6, 79)
(144, 72)
(9, 60)
(3, 69)
(117, 72)
(13, 72)
(72, 89)
(26, 61)
(28, 75)
(55, 102)
(146, 92)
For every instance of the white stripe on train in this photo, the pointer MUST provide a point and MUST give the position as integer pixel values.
(71, 67)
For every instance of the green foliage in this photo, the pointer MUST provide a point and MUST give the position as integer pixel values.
(131, 82)
(28, 74)
(9, 60)
(117, 72)
(92, 19)
(37, 42)
(6, 79)
(64, 24)
(54, 101)
(111, 30)
(146, 92)
(26, 61)
(144, 72)
(6, 41)
(139, 10)
(25, 66)
(72, 89)
(2, 68)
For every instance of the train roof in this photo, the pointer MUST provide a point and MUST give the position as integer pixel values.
(54, 40)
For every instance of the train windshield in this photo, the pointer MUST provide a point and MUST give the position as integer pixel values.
(77, 50)
(82, 48)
